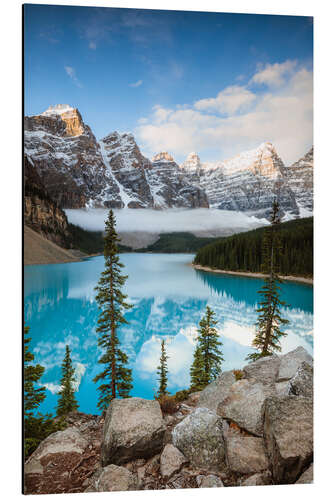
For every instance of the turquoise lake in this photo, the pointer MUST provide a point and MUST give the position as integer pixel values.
(169, 298)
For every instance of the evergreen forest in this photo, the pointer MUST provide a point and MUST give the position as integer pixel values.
(243, 251)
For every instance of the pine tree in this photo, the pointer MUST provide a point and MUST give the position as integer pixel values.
(162, 372)
(268, 333)
(33, 397)
(207, 357)
(197, 370)
(67, 401)
(112, 303)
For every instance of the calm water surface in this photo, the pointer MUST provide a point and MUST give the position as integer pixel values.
(169, 298)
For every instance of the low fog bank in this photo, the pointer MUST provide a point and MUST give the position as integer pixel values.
(200, 221)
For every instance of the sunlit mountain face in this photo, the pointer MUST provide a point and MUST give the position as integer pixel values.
(169, 298)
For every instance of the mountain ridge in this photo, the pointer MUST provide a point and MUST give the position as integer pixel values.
(80, 171)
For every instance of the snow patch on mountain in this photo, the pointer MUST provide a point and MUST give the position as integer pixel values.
(57, 109)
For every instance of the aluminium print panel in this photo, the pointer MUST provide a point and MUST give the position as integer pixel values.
(168, 249)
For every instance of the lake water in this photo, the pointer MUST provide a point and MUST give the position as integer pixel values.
(169, 298)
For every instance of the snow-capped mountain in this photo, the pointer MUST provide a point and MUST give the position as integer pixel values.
(127, 165)
(170, 188)
(300, 180)
(68, 158)
(79, 171)
(250, 181)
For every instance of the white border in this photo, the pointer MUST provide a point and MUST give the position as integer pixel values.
(10, 119)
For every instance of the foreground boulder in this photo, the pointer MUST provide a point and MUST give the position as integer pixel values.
(171, 461)
(302, 383)
(264, 370)
(291, 361)
(199, 437)
(246, 455)
(69, 441)
(244, 403)
(113, 478)
(288, 434)
(59, 463)
(133, 428)
(217, 391)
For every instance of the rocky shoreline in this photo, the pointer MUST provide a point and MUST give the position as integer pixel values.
(249, 427)
(298, 279)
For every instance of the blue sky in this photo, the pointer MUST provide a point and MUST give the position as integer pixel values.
(217, 83)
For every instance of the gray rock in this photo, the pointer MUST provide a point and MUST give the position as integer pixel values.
(209, 481)
(215, 392)
(291, 361)
(264, 370)
(288, 434)
(113, 478)
(133, 428)
(171, 461)
(259, 479)
(282, 388)
(307, 476)
(246, 455)
(243, 405)
(199, 437)
(70, 441)
(302, 383)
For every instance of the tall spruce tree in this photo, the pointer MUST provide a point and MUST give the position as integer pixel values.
(207, 356)
(268, 333)
(116, 375)
(67, 401)
(162, 372)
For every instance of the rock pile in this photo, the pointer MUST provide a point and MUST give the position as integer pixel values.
(247, 432)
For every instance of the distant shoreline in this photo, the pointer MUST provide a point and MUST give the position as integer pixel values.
(76, 258)
(299, 279)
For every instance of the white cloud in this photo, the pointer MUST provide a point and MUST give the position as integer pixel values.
(274, 74)
(52, 387)
(72, 75)
(164, 221)
(180, 351)
(136, 84)
(242, 334)
(229, 101)
(281, 114)
(92, 45)
(80, 370)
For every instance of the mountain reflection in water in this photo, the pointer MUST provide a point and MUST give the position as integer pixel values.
(169, 298)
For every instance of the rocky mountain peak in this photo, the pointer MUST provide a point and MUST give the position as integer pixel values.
(123, 140)
(262, 160)
(163, 156)
(192, 162)
(61, 119)
(58, 109)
